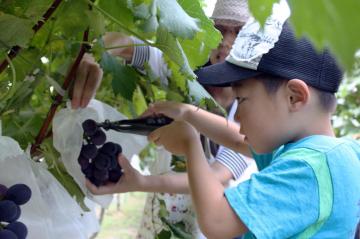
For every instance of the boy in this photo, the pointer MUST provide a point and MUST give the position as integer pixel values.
(309, 185)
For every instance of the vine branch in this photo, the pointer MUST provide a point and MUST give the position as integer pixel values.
(58, 98)
(16, 49)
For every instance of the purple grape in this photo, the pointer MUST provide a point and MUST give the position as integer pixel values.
(18, 213)
(102, 161)
(89, 151)
(119, 149)
(101, 175)
(96, 182)
(18, 193)
(18, 228)
(90, 127)
(3, 190)
(115, 175)
(88, 172)
(113, 162)
(84, 162)
(99, 137)
(9, 211)
(109, 148)
(7, 234)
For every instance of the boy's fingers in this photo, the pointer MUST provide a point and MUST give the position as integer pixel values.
(150, 111)
(124, 162)
(155, 136)
(106, 189)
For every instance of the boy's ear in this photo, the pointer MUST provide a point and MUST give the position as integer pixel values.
(298, 94)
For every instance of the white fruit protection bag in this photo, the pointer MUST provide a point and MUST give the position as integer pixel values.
(68, 219)
(15, 167)
(68, 139)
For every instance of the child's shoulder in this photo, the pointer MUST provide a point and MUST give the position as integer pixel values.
(320, 143)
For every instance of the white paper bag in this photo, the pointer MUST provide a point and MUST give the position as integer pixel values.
(15, 168)
(68, 138)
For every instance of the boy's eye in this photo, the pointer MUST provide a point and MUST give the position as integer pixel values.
(240, 100)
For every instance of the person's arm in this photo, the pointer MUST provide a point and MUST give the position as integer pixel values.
(115, 40)
(89, 73)
(215, 127)
(215, 216)
(236, 163)
(132, 180)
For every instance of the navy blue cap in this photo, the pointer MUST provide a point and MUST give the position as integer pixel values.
(289, 58)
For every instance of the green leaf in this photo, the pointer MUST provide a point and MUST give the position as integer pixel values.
(174, 19)
(177, 80)
(30, 9)
(208, 38)
(119, 10)
(174, 96)
(36, 9)
(178, 230)
(261, 9)
(329, 23)
(164, 234)
(158, 93)
(74, 18)
(18, 34)
(139, 101)
(149, 13)
(202, 97)
(168, 44)
(163, 212)
(96, 22)
(124, 78)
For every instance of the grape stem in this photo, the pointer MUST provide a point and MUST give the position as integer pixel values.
(16, 49)
(58, 98)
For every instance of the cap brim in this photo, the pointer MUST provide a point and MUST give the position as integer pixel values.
(224, 74)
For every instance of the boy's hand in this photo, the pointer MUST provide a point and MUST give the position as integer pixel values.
(87, 81)
(176, 137)
(130, 181)
(174, 110)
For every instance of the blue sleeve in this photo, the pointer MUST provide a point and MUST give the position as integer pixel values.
(262, 160)
(278, 202)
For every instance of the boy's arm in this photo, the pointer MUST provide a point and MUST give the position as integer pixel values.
(215, 216)
(215, 127)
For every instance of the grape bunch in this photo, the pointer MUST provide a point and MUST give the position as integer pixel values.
(10, 201)
(98, 158)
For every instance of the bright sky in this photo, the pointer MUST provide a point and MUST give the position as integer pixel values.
(210, 4)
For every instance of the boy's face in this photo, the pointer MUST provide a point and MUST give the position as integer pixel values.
(262, 117)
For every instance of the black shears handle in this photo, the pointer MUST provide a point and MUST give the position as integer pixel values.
(141, 126)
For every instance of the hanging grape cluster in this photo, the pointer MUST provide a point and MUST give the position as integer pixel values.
(98, 160)
(10, 201)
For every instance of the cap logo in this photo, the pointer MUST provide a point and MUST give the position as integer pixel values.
(253, 41)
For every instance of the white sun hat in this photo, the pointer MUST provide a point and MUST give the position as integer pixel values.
(231, 12)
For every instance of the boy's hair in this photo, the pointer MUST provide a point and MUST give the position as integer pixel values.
(272, 83)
